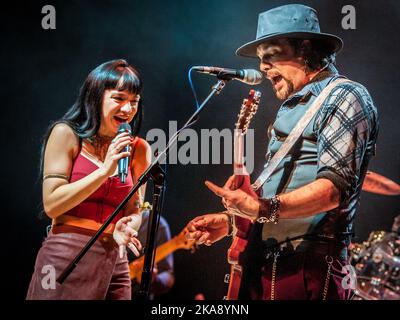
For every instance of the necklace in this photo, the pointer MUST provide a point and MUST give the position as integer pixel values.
(100, 145)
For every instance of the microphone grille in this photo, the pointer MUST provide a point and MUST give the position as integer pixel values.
(125, 127)
(252, 76)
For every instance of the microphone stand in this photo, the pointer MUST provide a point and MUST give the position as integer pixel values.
(158, 178)
(155, 173)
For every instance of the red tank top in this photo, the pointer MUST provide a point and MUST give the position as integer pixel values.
(100, 204)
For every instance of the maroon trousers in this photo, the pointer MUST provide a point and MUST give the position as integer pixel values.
(101, 274)
(302, 276)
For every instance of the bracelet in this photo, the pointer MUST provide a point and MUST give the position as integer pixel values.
(275, 209)
(55, 175)
(269, 210)
(230, 224)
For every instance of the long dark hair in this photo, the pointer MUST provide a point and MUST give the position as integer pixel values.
(85, 114)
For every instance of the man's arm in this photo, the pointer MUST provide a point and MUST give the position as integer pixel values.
(311, 199)
(316, 197)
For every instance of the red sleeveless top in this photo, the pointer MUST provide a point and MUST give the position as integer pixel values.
(100, 204)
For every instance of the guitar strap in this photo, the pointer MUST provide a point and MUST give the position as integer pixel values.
(295, 134)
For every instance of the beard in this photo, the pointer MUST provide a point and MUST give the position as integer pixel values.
(285, 91)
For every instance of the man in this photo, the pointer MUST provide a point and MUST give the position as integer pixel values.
(308, 203)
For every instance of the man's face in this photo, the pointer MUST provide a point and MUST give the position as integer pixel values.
(282, 67)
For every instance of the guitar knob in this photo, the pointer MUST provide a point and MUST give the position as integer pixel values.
(227, 277)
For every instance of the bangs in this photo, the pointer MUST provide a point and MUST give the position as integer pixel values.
(124, 79)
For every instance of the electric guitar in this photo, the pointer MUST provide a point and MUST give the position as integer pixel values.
(162, 251)
(241, 225)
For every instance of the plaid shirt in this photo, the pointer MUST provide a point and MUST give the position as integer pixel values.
(347, 128)
(336, 145)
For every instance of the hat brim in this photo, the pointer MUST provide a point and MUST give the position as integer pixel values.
(250, 49)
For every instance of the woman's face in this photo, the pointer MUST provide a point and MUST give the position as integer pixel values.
(118, 107)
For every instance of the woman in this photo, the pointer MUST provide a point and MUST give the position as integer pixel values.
(81, 188)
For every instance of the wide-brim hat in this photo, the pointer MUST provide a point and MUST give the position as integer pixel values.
(289, 21)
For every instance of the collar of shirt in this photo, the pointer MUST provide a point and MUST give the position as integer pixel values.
(314, 87)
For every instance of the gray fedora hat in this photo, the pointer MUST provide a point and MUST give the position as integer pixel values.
(291, 21)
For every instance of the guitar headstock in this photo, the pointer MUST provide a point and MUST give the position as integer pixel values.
(248, 110)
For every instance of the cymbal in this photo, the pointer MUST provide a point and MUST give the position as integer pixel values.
(376, 183)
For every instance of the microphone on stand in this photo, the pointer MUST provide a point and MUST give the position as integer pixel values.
(123, 163)
(248, 76)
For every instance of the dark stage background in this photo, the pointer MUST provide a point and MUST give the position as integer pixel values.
(42, 71)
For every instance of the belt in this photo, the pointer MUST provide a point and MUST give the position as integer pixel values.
(88, 226)
(105, 237)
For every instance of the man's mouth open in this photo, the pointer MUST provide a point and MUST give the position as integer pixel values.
(276, 81)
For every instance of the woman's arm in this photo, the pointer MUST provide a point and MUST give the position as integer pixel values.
(59, 195)
(140, 162)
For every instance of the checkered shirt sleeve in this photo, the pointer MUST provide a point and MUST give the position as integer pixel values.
(346, 129)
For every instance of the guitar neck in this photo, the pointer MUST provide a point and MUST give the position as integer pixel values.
(164, 250)
(238, 153)
(167, 248)
(240, 225)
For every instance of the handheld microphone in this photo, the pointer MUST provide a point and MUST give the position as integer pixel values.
(123, 163)
(248, 76)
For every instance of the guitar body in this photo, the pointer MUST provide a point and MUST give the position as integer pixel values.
(235, 254)
(242, 226)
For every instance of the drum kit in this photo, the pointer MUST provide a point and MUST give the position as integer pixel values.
(377, 260)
